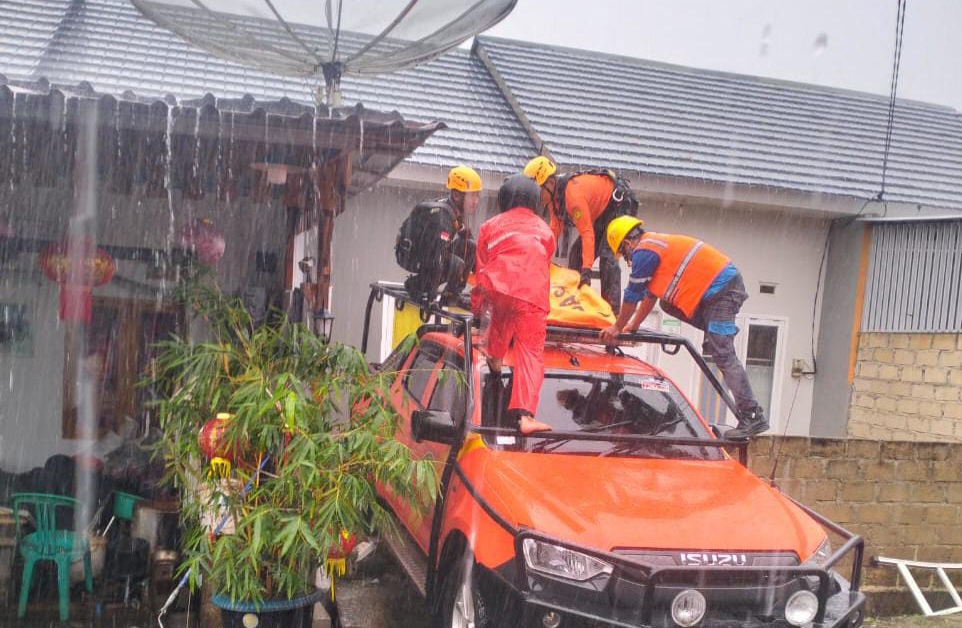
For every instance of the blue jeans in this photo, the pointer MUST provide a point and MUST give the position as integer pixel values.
(716, 317)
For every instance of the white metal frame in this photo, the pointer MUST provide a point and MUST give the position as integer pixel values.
(387, 327)
(940, 568)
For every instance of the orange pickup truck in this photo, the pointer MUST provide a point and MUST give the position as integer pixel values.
(630, 512)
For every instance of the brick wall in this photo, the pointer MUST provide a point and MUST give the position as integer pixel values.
(904, 498)
(907, 387)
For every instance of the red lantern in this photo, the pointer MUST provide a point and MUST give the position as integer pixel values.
(205, 239)
(347, 544)
(211, 439)
(78, 266)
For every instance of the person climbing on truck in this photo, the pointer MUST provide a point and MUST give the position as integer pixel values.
(511, 296)
(589, 200)
(435, 243)
(696, 283)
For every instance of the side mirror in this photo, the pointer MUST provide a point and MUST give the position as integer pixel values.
(436, 426)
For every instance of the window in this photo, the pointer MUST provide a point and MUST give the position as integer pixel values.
(420, 371)
(602, 402)
(395, 361)
(449, 391)
(760, 362)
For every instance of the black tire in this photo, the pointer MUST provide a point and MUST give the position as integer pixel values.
(462, 604)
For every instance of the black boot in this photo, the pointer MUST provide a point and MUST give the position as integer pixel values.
(750, 423)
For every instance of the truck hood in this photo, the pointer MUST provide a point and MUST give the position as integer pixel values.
(611, 503)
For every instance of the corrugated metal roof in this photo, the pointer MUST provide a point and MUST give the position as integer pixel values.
(593, 109)
(205, 146)
(111, 45)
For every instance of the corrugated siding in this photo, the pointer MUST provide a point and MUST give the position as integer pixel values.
(915, 278)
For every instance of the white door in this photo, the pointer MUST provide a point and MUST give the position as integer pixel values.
(760, 347)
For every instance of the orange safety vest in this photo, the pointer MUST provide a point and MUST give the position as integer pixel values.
(686, 270)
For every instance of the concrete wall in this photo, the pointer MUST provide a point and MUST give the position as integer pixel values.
(903, 498)
(768, 245)
(835, 329)
(907, 387)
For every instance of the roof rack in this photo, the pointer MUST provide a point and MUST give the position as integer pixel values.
(462, 321)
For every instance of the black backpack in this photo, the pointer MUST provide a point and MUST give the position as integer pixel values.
(421, 237)
(622, 201)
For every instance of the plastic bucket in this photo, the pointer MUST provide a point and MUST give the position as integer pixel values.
(98, 556)
(296, 613)
(124, 505)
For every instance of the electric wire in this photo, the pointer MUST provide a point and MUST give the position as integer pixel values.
(893, 90)
(880, 197)
(781, 441)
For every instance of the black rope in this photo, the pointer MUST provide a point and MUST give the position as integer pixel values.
(893, 90)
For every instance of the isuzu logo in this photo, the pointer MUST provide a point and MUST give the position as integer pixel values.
(713, 559)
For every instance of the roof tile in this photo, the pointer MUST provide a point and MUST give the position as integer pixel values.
(111, 45)
(598, 110)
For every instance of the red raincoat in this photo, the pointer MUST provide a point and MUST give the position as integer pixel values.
(512, 272)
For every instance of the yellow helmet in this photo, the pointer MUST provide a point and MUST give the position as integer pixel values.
(539, 169)
(618, 230)
(464, 179)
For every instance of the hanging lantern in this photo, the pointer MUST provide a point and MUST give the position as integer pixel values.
(205, 239)
(212, 441)
(78, 266)
(335, 565)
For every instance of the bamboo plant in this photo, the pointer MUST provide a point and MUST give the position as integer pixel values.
(310, 435)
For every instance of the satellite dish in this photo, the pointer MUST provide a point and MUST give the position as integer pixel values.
(323, 39)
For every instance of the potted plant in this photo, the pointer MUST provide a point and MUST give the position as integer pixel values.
(302, 437)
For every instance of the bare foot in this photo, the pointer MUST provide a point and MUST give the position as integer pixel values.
(528, 425)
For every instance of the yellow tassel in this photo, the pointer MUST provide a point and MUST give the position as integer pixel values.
(335, 567)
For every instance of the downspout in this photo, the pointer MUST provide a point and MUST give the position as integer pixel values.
(478, 51)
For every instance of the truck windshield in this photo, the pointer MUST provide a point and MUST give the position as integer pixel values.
(602, 403)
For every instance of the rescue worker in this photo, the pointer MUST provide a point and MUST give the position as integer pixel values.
(589, 200)
(435, 243)
(697, 284)
(511, 296)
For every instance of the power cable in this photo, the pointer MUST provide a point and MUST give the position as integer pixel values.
(890, 125)
(781, 441)
(893, 90)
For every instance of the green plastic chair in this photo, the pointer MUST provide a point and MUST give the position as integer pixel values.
(50, 543)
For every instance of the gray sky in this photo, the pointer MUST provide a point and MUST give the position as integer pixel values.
(772, 38)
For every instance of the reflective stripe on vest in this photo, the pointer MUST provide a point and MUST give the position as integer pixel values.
(673, 286)
(686, 268)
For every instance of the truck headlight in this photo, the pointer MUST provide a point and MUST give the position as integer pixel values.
(801, 608)
(821, 554)
(555, 560)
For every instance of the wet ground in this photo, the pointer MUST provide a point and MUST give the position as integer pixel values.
(378, 596)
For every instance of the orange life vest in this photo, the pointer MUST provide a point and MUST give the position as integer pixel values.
(686, 270)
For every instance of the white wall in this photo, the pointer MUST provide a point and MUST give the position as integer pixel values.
(767, 245)
(363, 252)
(31, 387)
